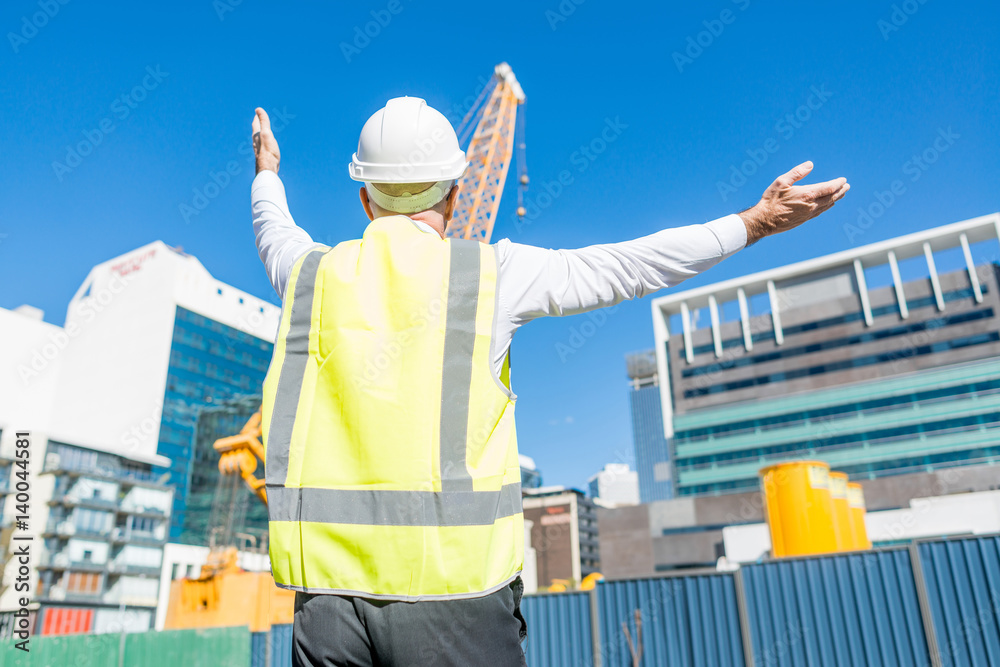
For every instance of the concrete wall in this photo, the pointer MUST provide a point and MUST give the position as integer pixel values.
(626, 544)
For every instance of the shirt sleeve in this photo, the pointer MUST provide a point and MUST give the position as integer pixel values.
(280, 242)
(535, 282)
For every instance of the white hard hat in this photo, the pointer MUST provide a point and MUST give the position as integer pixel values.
(407, 142)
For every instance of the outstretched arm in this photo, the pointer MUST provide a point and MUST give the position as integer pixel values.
(535, 282)
(280, 242)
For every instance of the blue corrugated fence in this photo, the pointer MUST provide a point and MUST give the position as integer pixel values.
(559, 630)
(962, 577)
(686, 620)
(857, 609)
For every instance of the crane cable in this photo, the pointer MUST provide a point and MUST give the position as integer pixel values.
(522, 161)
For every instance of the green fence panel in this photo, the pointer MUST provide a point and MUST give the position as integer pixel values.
(209, 647)
(64, 651)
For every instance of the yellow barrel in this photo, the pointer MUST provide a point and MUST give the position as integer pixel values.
(856, 510)
(799, 508)
(842, 528)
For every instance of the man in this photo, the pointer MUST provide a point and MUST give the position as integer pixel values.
(392, 474)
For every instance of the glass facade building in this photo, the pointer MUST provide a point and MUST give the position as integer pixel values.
(652, 451)
(211, 495)
(211, 365)
(843, 361)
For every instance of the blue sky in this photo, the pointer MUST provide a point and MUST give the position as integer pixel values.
(697, 89)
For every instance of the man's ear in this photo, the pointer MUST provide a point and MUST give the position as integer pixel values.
(449, 210)
(367, 204)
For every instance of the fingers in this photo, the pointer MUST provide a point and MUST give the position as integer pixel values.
(796, 174)
(820, 190)
(255, 126)
(828, 201)
(262, 122)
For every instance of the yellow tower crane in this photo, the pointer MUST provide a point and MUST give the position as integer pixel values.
(496, 122)
(224, 594)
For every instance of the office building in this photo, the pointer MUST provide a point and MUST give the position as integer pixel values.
(880, 360)
(615, 486)
(156, 336)
(113, 401)
(563, 533)
(652, 453)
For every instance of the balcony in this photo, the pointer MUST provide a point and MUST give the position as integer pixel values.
(60, 594)
(91, 503)
(116, 567)
(121, 535)
(54, 464)
(65, 529)
(141, 510)
(61, 561)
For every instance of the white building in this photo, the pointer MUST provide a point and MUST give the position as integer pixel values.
(111, 401)
(615, 486)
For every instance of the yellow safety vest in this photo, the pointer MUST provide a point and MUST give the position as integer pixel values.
(391, 458)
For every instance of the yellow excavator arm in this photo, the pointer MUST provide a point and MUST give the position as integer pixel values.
(239, 454)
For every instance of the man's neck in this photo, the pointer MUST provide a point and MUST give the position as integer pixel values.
(432, 219)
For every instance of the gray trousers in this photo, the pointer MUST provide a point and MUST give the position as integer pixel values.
(340, 630)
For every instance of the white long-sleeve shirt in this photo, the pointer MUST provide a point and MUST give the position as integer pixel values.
(533, 282)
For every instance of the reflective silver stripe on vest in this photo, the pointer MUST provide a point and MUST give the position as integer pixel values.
(456, 382)
(393, 508)
(293, 368)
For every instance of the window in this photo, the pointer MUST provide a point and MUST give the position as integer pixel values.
(83, 582)
(92, 521)
(143, 524)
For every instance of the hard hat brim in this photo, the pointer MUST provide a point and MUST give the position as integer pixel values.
(415, 172)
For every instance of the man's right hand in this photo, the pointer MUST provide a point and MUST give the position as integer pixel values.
(265, 146)
(785, 205)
